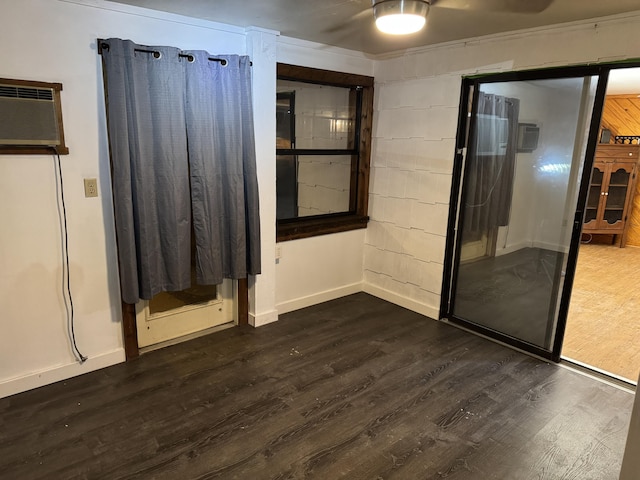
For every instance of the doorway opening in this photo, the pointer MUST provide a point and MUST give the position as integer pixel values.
(603, 332)
(531, 189)
(174, 316)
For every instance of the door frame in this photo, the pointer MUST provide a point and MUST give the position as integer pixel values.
(465, 133)
(130, 331)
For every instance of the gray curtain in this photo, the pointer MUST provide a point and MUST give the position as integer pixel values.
(223, 169)
(489, 176)
(182, 151)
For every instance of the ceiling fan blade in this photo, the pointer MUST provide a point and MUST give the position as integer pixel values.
(347, 22)
(506, 6)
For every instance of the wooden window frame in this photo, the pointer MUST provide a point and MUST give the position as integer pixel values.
(357, 217)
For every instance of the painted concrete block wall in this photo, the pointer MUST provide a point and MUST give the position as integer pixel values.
(416, 109)
(323, 184)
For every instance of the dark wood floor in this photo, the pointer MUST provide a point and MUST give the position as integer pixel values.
(355, 388)
(511, 293)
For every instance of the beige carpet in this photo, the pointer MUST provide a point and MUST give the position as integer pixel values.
(603, 327)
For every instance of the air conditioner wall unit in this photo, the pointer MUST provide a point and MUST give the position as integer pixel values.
(31, 118)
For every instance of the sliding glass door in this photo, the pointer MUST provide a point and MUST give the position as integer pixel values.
(516, 220)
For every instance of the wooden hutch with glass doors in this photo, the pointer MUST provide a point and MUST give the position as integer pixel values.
(611, 191)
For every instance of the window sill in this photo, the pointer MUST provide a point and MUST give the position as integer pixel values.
(32, 150)
(312, 227)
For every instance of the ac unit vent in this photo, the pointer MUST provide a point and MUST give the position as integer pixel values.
(30, 117)
(8, 91)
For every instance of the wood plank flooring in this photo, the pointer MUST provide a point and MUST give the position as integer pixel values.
(603, 328)
(355, 388)
(510, 293)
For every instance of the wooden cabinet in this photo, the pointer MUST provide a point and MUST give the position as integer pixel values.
(611, 189)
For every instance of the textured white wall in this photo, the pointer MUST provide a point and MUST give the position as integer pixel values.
(416, 109)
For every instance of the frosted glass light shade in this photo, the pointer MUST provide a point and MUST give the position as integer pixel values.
(400, 17)
(400, 24)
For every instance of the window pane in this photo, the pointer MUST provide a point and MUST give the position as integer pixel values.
(286, 187)
(284, 120)
(324, 115)
(312, 185)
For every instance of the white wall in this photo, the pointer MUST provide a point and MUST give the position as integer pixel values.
(415, 120)
(321, 268)
(317, 269)
(56, 41)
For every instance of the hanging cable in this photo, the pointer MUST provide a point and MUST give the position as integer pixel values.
(66, 292)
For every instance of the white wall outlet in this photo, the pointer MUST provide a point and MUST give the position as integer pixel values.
(278, 252)
(90, 187)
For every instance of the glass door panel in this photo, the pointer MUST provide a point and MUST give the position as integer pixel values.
(616, 197)
(519, 202)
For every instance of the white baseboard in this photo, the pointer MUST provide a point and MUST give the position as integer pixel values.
(554, 247)
(408, 303)
(263, 318)
(63, 372)
(317, 298)
(513, 248)
(542, 245)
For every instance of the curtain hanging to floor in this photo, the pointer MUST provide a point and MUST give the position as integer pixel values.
(182, 149)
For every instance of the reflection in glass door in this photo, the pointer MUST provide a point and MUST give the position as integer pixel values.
(608, 196)
(517, 211)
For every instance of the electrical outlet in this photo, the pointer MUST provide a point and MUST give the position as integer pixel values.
(90, 187)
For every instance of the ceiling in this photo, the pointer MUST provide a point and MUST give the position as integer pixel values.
(349, 23)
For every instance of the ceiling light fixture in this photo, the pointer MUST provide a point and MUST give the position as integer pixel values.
(400, 17)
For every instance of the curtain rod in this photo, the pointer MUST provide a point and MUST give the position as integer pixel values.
(103, 45)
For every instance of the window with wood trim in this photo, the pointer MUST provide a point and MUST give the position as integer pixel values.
(323, 150)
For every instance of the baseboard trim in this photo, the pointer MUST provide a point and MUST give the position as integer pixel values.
(521, 245)
(63, 372)
(316, 298)
(402, 301)
(263, 318)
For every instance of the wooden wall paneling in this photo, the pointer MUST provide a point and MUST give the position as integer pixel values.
(621, 114)
(633, 232)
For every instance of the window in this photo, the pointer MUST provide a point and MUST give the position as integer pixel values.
(323, 148)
